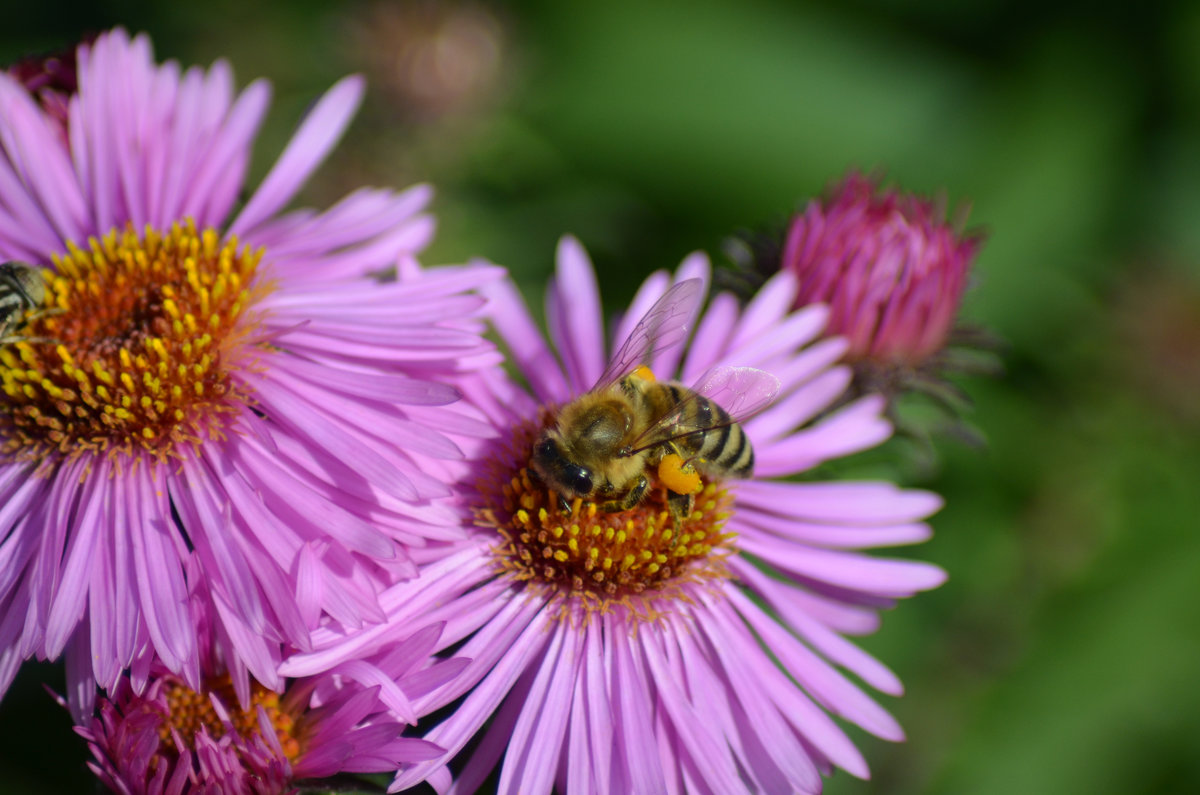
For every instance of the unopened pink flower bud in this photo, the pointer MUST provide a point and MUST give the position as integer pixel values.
(887, 263)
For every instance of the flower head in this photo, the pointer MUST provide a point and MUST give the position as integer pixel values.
(651, 649)
(890, 268)
(51, 80)
(234, 383)
(160, 735)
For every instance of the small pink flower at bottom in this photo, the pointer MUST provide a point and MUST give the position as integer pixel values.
(632, 651)
(173, 739)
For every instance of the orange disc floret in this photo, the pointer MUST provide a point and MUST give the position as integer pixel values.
(135, 346)
(600, 557)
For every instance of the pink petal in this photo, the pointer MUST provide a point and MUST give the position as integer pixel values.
(317, 135)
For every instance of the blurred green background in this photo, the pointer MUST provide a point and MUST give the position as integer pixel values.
(1062, 655)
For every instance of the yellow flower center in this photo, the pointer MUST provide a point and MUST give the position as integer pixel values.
(189, 711)
(133, 346)
(595, 557)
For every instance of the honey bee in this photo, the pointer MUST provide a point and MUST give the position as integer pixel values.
(601, 445)
(22, 290)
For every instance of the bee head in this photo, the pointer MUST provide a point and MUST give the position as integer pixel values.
(557, 471)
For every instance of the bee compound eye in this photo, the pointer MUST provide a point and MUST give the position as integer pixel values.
(581, 481)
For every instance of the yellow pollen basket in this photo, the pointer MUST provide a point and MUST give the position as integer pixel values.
(645, 373)
(137, 348)
(677, 476)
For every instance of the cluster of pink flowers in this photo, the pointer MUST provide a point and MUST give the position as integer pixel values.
(266, 483)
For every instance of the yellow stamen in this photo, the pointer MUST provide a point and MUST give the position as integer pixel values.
(121, 324)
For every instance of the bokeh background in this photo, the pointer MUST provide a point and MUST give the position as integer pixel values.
(1063, 654)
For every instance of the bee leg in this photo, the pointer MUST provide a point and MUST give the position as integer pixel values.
(630, 498)
(44, 312)
(681, 506)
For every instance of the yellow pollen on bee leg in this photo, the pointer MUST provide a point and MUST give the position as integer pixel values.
(674, 476)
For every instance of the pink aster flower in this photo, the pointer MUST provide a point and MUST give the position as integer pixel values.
(619, 652)
(202, 377)
(888, 265)
(161, 736)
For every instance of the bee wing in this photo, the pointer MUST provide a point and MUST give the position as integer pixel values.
(666, 324)
(741, 391)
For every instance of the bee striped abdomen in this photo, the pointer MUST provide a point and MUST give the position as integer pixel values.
(727, 447)
(722, 448)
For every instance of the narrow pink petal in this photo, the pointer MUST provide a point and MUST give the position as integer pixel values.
(527, 348)
(226, 158)
(797, 408)
(795, 604)
(695, 266)
(574, 318)
(259, 655)
(887, 577)
(318, 133)
(537, 738)
(20, 492)
(763, 720)
(772, 301)
(55, 517)
(809, 362)
(408, 437)
(308, 506)
(852, 429)
(403, 602)
(81, 688)
(599, 707)
(710, 695)
(806, 718)
(162, 593)
(339, 439)
(786, 335)
(361, 215)
(41, 162)
(766, 526)
(310, 586)
(482, 761)
(11, 622)
(826, 685)
(67, 608)
(651, 290)
(849, 656)
(206, 512)
(481, 703)
(390, 693)
(711, 758)
(862, 503)
(630, 696)
(125, 614)
(711, 338)
(160, 109)
(102, 624)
